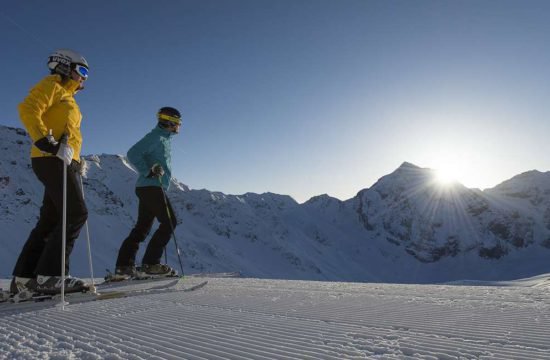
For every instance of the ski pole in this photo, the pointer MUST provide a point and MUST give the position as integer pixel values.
(64, 224)
(171, 225)
(92, 289)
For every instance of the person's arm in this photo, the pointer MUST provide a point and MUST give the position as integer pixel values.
(137, 155)
(39, 100)
(72, 130)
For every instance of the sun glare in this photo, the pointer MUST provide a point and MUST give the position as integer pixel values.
(446, 176)
(450, 168)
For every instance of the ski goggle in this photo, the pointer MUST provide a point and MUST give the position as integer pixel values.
(172, 119)
(81, 70)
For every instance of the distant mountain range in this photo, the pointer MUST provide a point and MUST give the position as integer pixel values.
(405, 228)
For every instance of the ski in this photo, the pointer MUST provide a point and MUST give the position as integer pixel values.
(39, 301)
(176, 285)
(107, 284)
(110, 283)
(113, 277)
(103, 294)
(234, 274)
(79, 297)
(195, 287)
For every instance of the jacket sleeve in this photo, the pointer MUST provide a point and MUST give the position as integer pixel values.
(73, 131)
(138, 154)
(40, 98)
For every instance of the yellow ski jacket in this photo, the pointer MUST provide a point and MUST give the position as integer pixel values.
(51, 105)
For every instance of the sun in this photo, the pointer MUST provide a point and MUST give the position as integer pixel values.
(446, 176)
(453, 163)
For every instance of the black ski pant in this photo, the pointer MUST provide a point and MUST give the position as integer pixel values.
(152, 204)
(41, 254)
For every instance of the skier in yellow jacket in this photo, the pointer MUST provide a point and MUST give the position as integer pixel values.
(50, 113)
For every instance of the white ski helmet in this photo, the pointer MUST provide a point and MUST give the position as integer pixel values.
(63, 61)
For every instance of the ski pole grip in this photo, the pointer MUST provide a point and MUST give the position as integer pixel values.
(64, 138)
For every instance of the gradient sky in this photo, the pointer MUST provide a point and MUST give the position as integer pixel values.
(301, 97)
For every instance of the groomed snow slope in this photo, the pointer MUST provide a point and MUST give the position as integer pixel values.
(271, 319)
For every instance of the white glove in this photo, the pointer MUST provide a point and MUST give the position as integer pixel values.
(65, 153)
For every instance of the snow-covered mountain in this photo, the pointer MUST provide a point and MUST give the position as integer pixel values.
(405, 228)
(410, 209)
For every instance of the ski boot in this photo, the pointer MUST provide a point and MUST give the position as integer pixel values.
(122, 273)
(156, 271)
(22, 289)
(51, 285)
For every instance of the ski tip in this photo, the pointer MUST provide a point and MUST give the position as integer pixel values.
(111, 295)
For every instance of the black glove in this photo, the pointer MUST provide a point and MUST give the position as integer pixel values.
(79, 167)
(75, 167)
(156, 171)
(47, 144)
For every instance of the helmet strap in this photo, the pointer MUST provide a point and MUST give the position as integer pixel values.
(63, 69)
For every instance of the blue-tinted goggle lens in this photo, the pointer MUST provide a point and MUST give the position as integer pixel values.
(82, 71)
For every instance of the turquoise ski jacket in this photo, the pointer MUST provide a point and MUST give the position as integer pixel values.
(154, 148)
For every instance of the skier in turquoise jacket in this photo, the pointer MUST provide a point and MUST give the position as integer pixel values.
(151, 158)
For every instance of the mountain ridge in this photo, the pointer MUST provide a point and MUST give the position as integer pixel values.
(404, 228)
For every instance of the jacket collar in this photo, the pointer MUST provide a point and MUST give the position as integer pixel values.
(163, 132)
(70, 85)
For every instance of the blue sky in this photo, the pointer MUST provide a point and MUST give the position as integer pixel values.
(301, 97)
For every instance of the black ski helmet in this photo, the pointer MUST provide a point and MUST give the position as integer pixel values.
(168, 115)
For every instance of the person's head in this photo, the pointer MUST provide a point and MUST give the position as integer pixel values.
(169, 119)
(70, 65)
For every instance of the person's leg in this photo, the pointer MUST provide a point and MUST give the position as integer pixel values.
(146, 217)
(77, 212)
(161, 237)
(32, 250)
(51, 175)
